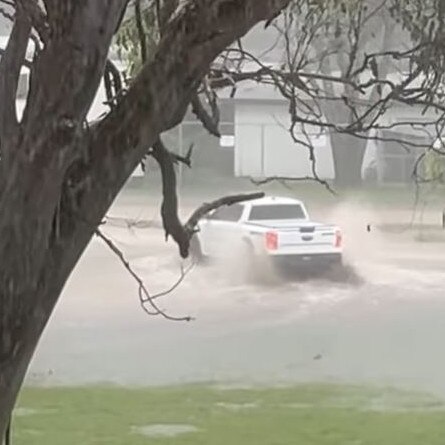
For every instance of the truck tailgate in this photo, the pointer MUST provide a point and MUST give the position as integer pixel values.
(315, 239)
(303, 238)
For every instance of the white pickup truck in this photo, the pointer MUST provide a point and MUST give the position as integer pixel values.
(272, 228)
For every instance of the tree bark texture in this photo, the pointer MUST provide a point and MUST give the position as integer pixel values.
(348, 154)
(348, 150)
(59, 176)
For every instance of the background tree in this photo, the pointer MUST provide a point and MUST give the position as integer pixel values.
(343, 67)
(353, 30)
(372, 60)
(58, 174)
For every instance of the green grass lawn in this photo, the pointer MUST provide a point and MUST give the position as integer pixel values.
(316, 415)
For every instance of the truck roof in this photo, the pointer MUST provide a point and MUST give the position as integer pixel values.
(271, 200)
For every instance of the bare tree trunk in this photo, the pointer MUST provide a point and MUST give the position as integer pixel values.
(11, 378)
(60, 178)
(348, 153)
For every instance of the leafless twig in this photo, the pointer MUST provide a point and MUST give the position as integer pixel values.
(144, 296)
(285, 179)
(209, 121)
(177, 283)
(7, 15)
(113, 84)
(141, 31)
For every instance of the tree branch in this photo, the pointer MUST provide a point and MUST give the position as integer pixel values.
(165, 13)
(186, 160)
(209, 122)
(7, 15)
(189, 228)
(144, 296)
(37, 17)
(158, 99)
(141, 31)
(13, 58)
(26, 63)
(169, 207)
(284, 179)
(173, 227)
(204, 209)
(113, 83)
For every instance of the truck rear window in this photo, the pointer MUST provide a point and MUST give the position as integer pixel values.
(276, 211)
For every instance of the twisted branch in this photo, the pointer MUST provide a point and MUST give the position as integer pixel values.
(173, 227)
(145, 299)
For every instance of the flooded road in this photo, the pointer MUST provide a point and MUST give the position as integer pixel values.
(388, 330)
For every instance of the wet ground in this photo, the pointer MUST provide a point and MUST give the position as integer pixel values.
(387, 330)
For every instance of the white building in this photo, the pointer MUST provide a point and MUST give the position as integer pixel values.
(264, 147)
(257, 142)
(256, 139)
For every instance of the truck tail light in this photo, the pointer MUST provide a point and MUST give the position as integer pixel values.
(338, 239)
(271, 241)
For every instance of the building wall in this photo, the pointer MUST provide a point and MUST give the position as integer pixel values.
(264, 146)
(212, 159)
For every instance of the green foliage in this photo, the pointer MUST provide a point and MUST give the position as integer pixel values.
(338, 34)
(425, 20)
(434, 167)
(420, 17)
(332, 12)
(343, 6)
(128, 39)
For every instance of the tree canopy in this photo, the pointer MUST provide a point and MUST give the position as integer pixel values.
(344, 67)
